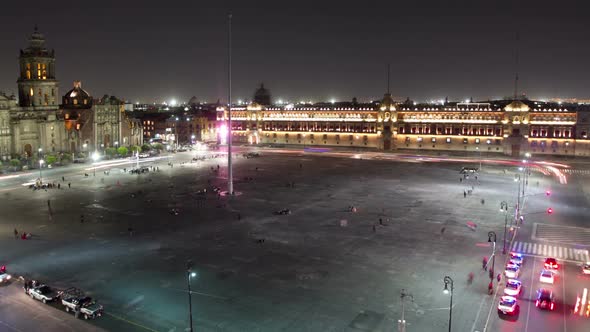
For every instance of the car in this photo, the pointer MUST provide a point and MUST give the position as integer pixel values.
(4, 277)
(517, 257)
(508, 305)
(544, 299)
(513, 287)
(512, 271)
(547, 277)
(551, 263)
(516, 262)
(586, 268)
(582, 307)
(466, 170)
(43, 293)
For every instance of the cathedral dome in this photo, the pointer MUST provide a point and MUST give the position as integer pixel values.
(77, 97)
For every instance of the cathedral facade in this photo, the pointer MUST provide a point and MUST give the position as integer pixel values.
(35, 122)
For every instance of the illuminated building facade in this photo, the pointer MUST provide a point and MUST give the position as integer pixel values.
(505, 127)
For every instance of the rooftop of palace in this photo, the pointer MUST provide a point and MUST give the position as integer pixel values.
(410, 106)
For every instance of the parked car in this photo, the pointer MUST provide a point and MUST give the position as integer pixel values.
(43, 293)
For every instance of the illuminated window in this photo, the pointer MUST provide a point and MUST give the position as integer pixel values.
(477, 141)
(67, 116)
(419, 139)
(85, 101)
(31, 92)
(38, 70)
(28, 66)
(434, 140)
(448, 140)
(75, 101)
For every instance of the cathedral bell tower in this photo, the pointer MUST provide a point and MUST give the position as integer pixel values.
(37, 86)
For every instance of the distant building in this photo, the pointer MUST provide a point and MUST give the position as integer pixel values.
(510, 127)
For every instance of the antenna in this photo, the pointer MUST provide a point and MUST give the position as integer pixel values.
(516, 60)
(388, 76)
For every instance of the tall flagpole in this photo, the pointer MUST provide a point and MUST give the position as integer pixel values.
(230, 180)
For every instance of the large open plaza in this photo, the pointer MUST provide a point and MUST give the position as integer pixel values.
(362, 227)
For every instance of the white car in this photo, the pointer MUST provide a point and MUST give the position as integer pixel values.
(586, 268)
(43, 293)
(513, 287)
(516, 258)
(547, 277)
(517, 262)
(4, 277)
(512, 271)
(508, 305)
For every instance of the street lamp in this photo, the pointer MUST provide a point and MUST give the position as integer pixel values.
(401, 323)
(190, 274)
(95, 157)
(477, 148)
(490, 236)
(449, 289)
(41, 161)
(504, 207)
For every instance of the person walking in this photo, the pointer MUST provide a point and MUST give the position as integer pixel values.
(15, 234)
(464, 194)
(69, 185)
(484, 264)
(490, 288)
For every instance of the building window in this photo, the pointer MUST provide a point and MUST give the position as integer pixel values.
(434, 140)
(465, 141)
(448, 140)
(28, 66)
(75, 101)
(477, 141)
(489, 141)
(419, 139)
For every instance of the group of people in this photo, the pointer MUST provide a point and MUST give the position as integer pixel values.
(23, 235)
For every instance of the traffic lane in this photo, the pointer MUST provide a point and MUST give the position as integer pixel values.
(545, 319)
(20, 313)
(574, 282)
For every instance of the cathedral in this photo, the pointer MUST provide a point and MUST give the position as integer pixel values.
(35, 122)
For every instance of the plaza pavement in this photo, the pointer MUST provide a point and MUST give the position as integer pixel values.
(322, 268)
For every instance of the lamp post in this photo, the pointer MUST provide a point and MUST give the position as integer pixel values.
(477, 148)
(490, 236)
(401, 323)
(41, 161)
(504, 208)
(449, 288)
(95, 157)
(176, 134)
(230, 176)
(190, 274)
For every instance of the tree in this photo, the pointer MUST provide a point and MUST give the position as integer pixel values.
(122, 151)
(146, 147)
(110, 151)
(15, 163)
(50, 159)
(135, 148)
(66, 158)
(158, 146)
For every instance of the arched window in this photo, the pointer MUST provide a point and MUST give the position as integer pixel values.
(28, 72)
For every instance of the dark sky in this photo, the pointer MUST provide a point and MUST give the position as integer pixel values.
(307, 50)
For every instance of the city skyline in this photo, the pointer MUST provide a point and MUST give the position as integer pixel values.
(318, 53)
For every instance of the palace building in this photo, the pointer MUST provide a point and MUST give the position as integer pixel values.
(509, 127)
(35, 122)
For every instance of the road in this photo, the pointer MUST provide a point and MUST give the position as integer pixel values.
(563, 234)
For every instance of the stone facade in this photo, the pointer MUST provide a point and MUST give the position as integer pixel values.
(36, 121)
(513, 128)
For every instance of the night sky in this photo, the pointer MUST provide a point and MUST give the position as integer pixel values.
(306, 50)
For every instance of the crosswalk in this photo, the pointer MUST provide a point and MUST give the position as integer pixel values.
(576, 171)
(544, 250)
(565, 235)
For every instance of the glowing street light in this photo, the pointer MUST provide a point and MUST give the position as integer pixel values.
(190, 274)
(41, 162)
(95, 157)
(449, 288)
